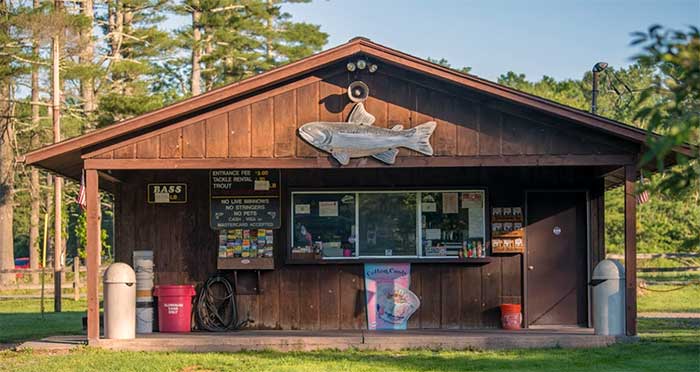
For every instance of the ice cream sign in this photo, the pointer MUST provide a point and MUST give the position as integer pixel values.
(390, 303)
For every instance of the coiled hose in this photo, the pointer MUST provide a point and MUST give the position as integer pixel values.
(215, 308)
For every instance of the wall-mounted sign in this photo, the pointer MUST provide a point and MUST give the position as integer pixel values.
(507, 230)
(244, 199)
(389, 301)
(167, 193)
(357, 138)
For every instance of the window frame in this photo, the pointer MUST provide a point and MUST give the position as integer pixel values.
(419, 230)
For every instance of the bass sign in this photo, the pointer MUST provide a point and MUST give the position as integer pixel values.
(167, 193)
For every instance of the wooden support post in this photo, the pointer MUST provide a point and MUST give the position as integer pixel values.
(76, 278)
(630, 251)
(93, 253)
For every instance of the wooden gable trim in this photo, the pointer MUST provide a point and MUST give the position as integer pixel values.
(355, 46)
(100, 153)
(271, 77)
(471, 81)
(328, 162)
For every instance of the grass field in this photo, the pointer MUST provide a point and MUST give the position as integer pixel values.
(665, 346)
(21, 320)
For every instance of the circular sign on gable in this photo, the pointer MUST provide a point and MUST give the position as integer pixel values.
(556, 230)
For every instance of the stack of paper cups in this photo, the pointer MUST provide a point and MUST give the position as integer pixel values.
(143, 263)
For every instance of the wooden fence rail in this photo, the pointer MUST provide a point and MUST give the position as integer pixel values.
(648, 256)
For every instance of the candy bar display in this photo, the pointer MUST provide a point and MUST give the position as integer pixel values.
(246, 243)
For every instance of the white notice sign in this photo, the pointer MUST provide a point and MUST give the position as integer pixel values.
(328, 209)
(450, 202)
(429, 207)
(476, 222)
(302, 209)
(433, 234)
(261, 185)
(162, 197)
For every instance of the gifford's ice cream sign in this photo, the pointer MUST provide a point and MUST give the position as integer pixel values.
(389, 301)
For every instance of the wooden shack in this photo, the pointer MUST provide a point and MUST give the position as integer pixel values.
(522, 179)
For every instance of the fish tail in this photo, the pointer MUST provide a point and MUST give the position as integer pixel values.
(421, 138)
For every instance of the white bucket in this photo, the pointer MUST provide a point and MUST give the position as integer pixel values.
(144, 280)
(143, 265)
(144, 318)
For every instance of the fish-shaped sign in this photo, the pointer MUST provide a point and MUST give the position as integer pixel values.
(357, 137)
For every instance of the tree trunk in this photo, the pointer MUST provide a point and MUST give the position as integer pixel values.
(59, 255)
(7, 254)
(196, 77)
(34, 186)
(87, 84)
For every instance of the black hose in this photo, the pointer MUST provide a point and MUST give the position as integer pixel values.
(213, 312)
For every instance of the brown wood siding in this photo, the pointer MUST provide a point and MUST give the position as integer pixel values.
(332, 296)
(265, 126)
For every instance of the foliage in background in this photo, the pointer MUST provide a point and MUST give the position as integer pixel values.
(669, 222)
(117, 61)
(674, 103)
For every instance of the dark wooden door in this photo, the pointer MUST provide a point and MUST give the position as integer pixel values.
(556, 258)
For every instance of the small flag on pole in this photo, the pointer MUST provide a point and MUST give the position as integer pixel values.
(643, 196)
(81, 198)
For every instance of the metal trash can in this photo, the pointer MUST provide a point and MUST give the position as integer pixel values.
(119, 302)
(608, 282)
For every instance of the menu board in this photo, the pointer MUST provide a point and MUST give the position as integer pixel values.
(244, 199)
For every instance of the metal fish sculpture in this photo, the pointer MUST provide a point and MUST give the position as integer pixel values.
(357, 137)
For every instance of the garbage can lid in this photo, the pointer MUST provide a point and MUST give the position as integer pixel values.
(119, 272)
(609, 269)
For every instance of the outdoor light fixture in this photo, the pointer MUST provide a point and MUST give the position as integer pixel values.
(361, 64)
(372, 68)
(600, 66)
(350, 66)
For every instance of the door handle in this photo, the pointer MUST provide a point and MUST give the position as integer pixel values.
(531, 268)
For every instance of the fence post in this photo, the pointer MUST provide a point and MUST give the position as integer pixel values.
(76, 278)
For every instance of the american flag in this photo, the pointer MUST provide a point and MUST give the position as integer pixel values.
(643, 196)
(81, 199)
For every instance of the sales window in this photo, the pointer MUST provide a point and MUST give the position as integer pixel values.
(375, 224)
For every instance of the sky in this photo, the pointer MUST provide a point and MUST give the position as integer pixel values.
(562, 39)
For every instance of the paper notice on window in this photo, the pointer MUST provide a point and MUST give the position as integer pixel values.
(328, 209)
(429, 207)
(450, 202)
(433, 234)
(472, 200)
(302, 209)
(262, 185)
(162, 197)
(476, 222)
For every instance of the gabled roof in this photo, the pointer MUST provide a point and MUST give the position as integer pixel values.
(65, 157)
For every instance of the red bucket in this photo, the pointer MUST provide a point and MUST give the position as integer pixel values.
(511, 316)
(174, 307)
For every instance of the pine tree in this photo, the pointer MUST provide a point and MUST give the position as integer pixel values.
(231, 40)
(135, 47)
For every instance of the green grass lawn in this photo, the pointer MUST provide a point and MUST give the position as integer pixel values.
(665, 346)
(681, 301)
(21, 320)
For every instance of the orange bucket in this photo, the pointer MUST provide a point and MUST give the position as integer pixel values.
(511, 317)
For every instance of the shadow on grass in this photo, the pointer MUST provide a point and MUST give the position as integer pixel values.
(18, 327)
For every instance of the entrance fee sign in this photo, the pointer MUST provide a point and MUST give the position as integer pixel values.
(389, 301)
(244, 199)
